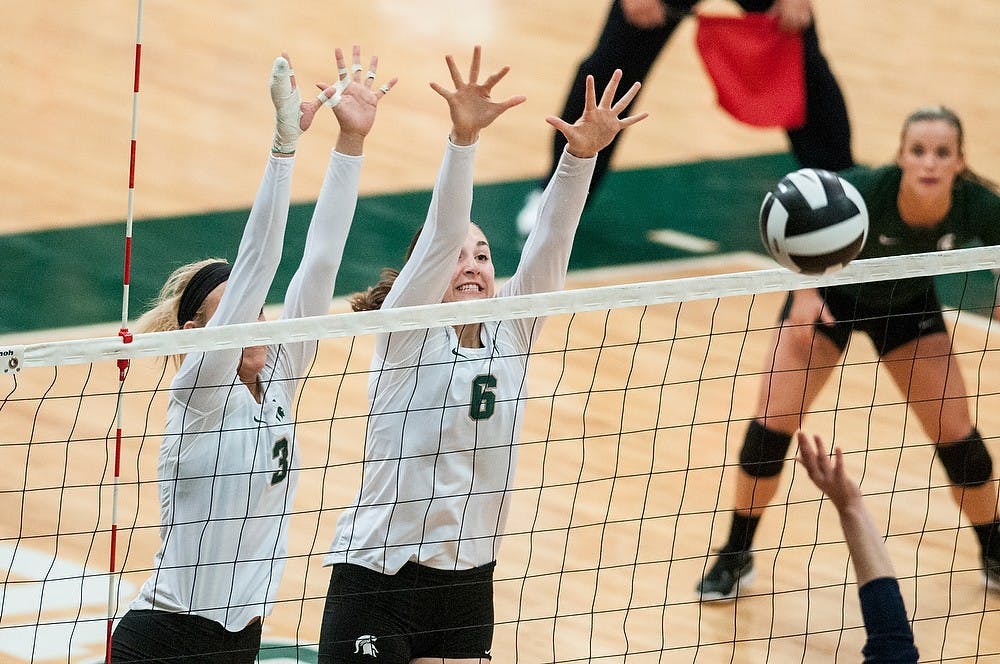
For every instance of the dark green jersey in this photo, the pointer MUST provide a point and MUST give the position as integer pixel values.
(974, 218)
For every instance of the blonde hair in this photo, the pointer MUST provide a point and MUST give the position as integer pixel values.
(936, 112)
(162, 315)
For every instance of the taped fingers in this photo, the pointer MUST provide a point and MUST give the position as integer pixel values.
(287, 112)
(332, 95)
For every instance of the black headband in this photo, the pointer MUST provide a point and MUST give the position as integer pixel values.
(198, 287)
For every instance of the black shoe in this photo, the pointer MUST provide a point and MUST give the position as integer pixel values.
(730, 571)
(991, 573)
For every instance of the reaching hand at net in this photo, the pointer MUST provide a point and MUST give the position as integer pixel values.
(826, 473)
(889, 635)
(353, 100)
(291, 116)
(600, 123)
(471, 106)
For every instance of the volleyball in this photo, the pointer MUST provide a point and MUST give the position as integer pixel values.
(813, 221)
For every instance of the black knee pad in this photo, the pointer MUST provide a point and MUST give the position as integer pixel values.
(763, 452)
(967, 462)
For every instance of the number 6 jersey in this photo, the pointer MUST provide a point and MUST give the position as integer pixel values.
(440, 449)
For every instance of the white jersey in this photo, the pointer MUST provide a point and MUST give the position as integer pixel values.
(440, 451)
(227, 464)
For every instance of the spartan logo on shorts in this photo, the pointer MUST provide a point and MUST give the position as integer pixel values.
(365, 644)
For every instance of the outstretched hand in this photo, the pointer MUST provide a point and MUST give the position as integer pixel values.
(599, 123)
(353, 100)
(471, 107)
(829, 475)
(357, 102)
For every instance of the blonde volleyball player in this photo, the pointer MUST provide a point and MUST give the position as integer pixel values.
(227, 462)
(413, 556)
(927, 200)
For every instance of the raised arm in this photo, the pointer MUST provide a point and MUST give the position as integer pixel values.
(868, 552)
(260, 247)
(425, 276)
(311, 288)
(890, 638)
(546, 252)
(428, 269)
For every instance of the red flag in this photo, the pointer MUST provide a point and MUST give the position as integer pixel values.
(757, 68)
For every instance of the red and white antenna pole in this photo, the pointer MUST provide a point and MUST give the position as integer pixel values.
(126, 336)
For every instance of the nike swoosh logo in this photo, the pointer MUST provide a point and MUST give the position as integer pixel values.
(454, 351)
(259, 421)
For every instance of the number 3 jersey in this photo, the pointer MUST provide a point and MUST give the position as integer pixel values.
(225, 496)
(228, 465)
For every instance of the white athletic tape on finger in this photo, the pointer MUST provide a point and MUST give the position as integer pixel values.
(330, 101)
(370, 74)
(342, 71)
(384, 88)
(287, 113)
(334, 98)
(355, 68)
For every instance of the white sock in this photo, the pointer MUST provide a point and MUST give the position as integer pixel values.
(287, 111)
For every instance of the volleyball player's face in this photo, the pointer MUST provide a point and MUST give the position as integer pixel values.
(473, 278)
(930, 158)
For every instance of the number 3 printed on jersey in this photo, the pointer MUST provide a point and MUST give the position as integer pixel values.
(280, 452)
(484, 397)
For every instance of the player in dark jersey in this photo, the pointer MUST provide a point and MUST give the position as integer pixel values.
(927, 200)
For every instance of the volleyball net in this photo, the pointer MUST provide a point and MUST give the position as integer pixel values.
(638, 396)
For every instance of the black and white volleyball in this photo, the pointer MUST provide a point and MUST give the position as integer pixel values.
(813, 221)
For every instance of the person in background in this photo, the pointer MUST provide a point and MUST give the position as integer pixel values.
(927, 200)
(632, 38)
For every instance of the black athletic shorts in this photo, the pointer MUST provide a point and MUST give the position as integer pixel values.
(889, 326)
(417, 612)
(179, 638)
